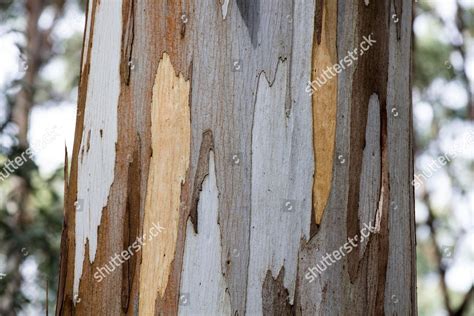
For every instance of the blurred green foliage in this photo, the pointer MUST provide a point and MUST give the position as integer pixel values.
(440, 59)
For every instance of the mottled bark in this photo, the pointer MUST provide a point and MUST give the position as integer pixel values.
(196, 115)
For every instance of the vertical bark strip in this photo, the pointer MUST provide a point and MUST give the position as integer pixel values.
(95, 179)
(131, 225)
(278, 222)
(168, 166)
(401, 267)
(369, 78)
(324, 102)
(203, 282)
(65, 296)
(369, 195)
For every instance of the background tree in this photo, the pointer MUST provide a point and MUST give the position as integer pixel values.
(443, 103)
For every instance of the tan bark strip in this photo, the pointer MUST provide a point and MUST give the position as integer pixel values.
(324, 104)
(171, 130)
(158, 29)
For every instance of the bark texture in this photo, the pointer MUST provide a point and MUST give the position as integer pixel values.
(194, 116)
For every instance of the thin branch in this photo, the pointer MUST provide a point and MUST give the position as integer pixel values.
(438, 255)
(469, 298)
(462, 50)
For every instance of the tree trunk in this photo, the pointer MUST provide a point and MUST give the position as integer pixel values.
(207, 180)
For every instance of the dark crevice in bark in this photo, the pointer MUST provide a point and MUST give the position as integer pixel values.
(289, 96)
(318, 20)
(398, 6)
(202, 170)
(131, 223)
(127, 41)
(250, 12)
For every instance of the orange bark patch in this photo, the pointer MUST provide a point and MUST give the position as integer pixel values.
(324, 105)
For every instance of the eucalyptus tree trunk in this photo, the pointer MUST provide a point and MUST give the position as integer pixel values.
(242, 158)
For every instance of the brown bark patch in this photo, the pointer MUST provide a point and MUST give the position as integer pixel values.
(275, 296)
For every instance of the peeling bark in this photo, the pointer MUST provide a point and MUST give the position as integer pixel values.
(167, 173)
(195, 116)
(324, 103)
